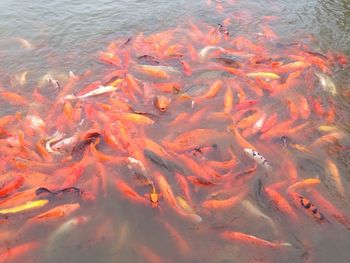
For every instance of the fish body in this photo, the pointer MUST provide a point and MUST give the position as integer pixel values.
(99, 91)
(65, 228)
(257, 157)
(165, 163)
(59, 211)
(327, 83)
(309, 207)
(266, 75)
(249, 239)
(203, 54)
(63, 144)
(24, 43)
(255, 211)
(30, 205)
(157, 71)
(56, 137)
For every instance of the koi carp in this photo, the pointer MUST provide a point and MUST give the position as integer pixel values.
(252, 240)
(257, 157)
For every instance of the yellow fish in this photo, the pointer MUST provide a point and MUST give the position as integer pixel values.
(268, 75)
(25, 207)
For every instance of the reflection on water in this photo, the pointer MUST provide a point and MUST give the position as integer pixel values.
(107, 198)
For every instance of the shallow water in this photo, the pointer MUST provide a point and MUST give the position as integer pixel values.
(68, 35)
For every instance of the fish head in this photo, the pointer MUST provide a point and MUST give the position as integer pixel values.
(162, 103)
(248, 151)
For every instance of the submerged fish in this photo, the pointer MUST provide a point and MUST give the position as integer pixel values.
(327, 83)
(256, 212)
(167, 164)
(204, 52)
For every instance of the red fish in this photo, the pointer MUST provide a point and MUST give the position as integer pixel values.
(10, 186)
(129, 193)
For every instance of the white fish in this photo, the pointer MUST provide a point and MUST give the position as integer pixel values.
(62, 233)
(256, 212)
(20, 78)
(55, 83)
(134, 162)
(72, 75)
(100, 90)
(57, 136)
(259, 123)
(327, 83)
(36, 123)
(50, 79)
(62, 144)
(24, 43)
(204, 52)
(258, 158)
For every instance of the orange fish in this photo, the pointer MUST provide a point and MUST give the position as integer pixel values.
(186, 67)
(110, 58)
(252, 240)
(213, 90)
(200, 181)
(154, 197)
(162, 103)
(19, 252)
(305, 203)
(215, 204)
(129, 193)
(9, 186)
(330, 209)
(134, 84)
(281, 203)
(181, 243)
(14, 98)
(306, 183)
(19, 198)
(58, 211)
(171, 200)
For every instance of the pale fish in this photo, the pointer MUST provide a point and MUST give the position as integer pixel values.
(257, 157)
(20, 78)
(67, 227)
(57, 136)
(327, 83)
(256, 212)
(134, 162)
(36, 123)
(259, 123)
(100, 90)
(72, 75)
(24, 43)
(48, 78)
(63, 144)
(204, 52)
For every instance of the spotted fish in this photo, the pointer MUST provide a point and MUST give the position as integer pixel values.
(257, 157)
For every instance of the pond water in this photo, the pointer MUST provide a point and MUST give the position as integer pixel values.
(234, 112)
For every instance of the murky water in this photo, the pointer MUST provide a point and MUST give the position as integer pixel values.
(67, 36)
